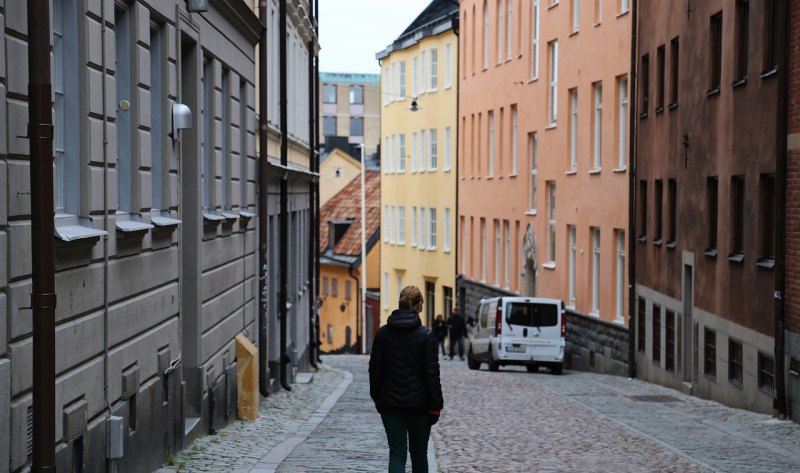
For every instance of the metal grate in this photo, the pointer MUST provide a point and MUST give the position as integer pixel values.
(29, 432)
(655, 398)
(766, 373)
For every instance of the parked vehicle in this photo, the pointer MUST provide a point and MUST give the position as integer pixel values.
(527, 331)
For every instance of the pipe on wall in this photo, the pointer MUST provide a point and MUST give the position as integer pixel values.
(312, 250)
(359, 306)
(283, 308)
(632, 161)
(263, 210)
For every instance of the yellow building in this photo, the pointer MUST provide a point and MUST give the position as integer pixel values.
(336, 170)
(419, 76)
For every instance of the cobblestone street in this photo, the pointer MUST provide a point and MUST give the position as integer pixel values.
(511, 421)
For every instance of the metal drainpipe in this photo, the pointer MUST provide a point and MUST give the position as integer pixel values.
(284, 204)
(780, 203)
(456, 253)
(316, 184)
(43, 296)
(358, 304)
(632, 162)
(312, 210)
(263, 211)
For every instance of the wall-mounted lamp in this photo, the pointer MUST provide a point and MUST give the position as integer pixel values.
(197, 6)
(342, 306)
(337, 173)
(414, 106)
(181, 119)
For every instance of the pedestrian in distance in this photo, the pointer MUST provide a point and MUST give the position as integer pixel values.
(440, 332)
(404, 383)
(457, 327)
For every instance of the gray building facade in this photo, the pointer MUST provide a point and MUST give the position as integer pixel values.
(156, 229)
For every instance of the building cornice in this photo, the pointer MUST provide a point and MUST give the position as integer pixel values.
(241, 17)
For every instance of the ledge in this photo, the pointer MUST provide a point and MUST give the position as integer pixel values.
(766, 263)
(595, 171)
(739, 82)
(571, 172)
(657, 242)
(70, 233)
(713, 92)
(165, 222)
(711, 252)
(672, 244)
(230, 216)
(672, 106)
(210, 217)
(620, 170)
(531, 212)
(246, 214)
(642, 239)
(769, 73)
(129, 226)
(736, 257)
(549, 265)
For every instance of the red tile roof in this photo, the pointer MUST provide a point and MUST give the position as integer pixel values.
(346, 205)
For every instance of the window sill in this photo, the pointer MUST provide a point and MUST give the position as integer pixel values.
(489, 178)
(531, 212)
(76, 233)
(736, 257)
(446, 250)
(549, 265)
(672, 106)
(230, 216)
(533, 79)
(130, 226)
(659, 109)
(431, 249)
(739, 82)
(246, 214)
(595, 314)
(574, 33)
(620, 169)
(642, 239)
(711, 252)
(766, 263)
(672, 244)
(642, 115)
(598, 24)
(212, 219)
(657, 242)
(713, 92)
(571, 172)
(513, 174)
(166, 222)
(552, 5)
(551, 126)
(595, 171)
(446, 170)
(770, 73)
(621, 14)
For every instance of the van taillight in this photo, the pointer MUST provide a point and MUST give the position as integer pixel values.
(563, 324)
(498, 319)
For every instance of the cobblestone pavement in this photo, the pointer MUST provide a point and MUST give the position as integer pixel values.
(511, 421)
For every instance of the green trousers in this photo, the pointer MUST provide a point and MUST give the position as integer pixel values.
(407, 434)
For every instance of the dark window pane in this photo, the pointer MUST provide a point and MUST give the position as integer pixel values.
(532, 315)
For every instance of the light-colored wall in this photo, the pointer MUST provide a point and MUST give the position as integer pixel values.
(429, 189)
(370, 110)
(329, 183)
(584, 198)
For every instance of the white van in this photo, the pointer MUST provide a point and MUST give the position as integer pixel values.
(526, 331)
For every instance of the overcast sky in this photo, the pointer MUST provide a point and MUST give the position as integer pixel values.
(351, 32)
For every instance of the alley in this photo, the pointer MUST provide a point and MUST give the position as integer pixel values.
(509, 421)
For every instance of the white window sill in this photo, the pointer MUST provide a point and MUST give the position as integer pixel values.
(246, 214)
(595, 313)
(488, 178)
(431, 248)
(531, 212)
(446, 250)
(70, 233)
(551, 126)
(571, 172)
(619, 321)
(164, 222)
(533, 79)
(595, 171)
(621, 169)
(212, 218)
(447, 169)
(129, 226)
(513, 174)
(549, 265)
(230, 216)
(431, 169)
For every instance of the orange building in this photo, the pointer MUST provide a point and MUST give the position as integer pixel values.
(340, 318)
(543, 152)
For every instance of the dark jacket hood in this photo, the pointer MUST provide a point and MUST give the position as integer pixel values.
(404, 320)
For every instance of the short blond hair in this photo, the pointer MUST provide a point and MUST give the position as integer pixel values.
(410, 297)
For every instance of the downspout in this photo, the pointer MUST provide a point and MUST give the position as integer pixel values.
(312, 250)
(456, 30)
(632, 163)
(105, 215)
(43, 295)
(284, 204)
(263, 211)
(358, 303)
(780, 203)
(316, 223)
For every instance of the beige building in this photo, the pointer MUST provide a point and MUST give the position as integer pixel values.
(350, 107)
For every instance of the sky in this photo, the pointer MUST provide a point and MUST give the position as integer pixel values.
(351, 32)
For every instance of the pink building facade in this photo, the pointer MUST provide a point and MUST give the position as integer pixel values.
(543, 152)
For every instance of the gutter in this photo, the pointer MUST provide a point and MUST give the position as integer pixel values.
(263, 211)
(632, 164)
(358, 305)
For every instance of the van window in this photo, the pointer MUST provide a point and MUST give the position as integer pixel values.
(484, 315)
(532, 315)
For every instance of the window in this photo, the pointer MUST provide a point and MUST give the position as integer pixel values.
(390, 153)
(401, 225)
(735, 362)
(535, 40)
(413, 226)
(485, 35)
(348, 290)
(514, 134)
(573, 130)
(244, 138)
(767, 218)
(422, 152)
(510, 28)
(644, 74)
(357, 94)
(572, 261)
(434, 73)
(448, 66)
(715, 52)
(551, 221)
(710, 355)
(674, 71)
(598, 126)
(422, 224)
(534, 170)
(325, 285)
(329, 126)
(392, 226)
(552, 48)
(430, 302)
(624, 6)
(329, 93)
(124, 121)
(466, 234)
(598, 11)
(497, 252)
(669, 356)
(770, 30)
(414, 152)
(641, 322)
(423, 64)
(507, 255)
(656, 334)
(500, 24)
(620, 238)
(642, 205)
(491, 143)
(596, 270)
(766, 373)
(742, 20)
(399, 281)
(433, 132)
(334, 287)
(401, 153)
(622, 122)
(432, 231)
(737, 216)
(672, 212)
(483, 250)
(414, 76)
(386, 224)
(385, 290)
(447, 231)
(448, 146)
(157, 115)
(712, 209)
(402, 80)
(392, 82)
(576, 15)
(660, 71)
(356, 126)
(659, 202)
(224, 156)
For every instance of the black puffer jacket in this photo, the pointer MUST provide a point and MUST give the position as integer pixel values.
(404, 365)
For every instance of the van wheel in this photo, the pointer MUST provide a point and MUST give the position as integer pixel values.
(532, 368)
(471, 362)
(557, 369)
(493, 365)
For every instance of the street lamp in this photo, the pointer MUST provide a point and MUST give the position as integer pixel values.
(363, 252)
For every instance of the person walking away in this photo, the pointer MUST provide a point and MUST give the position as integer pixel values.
(404, 383)
(455, 323)
(440, 332)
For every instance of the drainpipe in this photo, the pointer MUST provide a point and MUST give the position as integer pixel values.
(359, 304)
(43, 297)
(312, 250)
(456, 253)
(632, 162)
(783, 27)
(284, 204)
(263, 211)
(316, 223)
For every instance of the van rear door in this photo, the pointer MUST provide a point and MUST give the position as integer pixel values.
(535, 324)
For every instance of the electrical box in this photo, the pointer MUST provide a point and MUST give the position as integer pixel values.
(197, 5)
(115, 428)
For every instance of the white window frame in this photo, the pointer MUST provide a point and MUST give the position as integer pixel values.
(402, 80)
(448, 65)
(483, 250)
(624, 6)
(498, 251)
(598, 126)
(392, 236)
(576, 16)
(448, 146)
(422, 231)
(423, 155)
(553, 91)
(596, 271)
(491, 143)
(535, 31)
(125, 36)
(432, 228)
(573, 255)
(433, 73)
(414, 76)
(500, 36)
(447, 231)
(390, 88)
(485, 35)
(573, 130)
(620, 289)
(533, 163)
(510, 29)
(433, 138)
(465, 256)
(507, 254)
(623, 122)
(514, 140)
(401, 153)
(386, 161)
(423, 64)
(551, 222)
(414, 152)
(401, 225)
(386, 295)
(390, 154)
(385, 224)
(414, 226)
